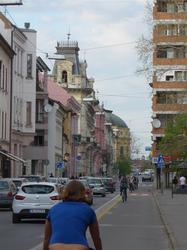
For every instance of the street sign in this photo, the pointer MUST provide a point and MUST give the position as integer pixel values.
(160, 161)
(60, 164)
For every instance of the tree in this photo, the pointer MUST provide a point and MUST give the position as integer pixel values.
(174, 142)
(144, 45)
(125, 166)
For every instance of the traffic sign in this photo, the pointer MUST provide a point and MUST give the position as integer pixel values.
(60, 164)
(160, 161)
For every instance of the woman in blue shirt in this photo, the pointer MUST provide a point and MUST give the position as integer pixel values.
(67, 221)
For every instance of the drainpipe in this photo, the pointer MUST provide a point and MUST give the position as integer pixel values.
(11, 97)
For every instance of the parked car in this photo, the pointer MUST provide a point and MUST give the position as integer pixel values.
(109, 184)
(33, 200)
(89, 192)
(7, 192)
(97, 185)
(32, 178)
(18, 181)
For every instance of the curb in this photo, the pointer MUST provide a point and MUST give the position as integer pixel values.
(100, 212)
(170, 234)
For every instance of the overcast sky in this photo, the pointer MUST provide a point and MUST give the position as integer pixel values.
(106, 31)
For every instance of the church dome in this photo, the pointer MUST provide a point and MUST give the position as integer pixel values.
(115, 120)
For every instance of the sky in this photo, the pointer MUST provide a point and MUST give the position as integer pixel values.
(107, 32)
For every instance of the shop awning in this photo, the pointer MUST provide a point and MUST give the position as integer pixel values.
(12, 157)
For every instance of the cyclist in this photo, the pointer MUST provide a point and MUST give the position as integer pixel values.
(67, 221)
(124, 186)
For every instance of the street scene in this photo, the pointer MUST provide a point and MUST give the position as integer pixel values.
(93, 124)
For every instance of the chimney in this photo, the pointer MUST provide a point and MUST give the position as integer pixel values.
(27, 25)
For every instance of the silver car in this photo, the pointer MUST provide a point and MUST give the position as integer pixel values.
(97, 186)
(33, 200)
(7, 192)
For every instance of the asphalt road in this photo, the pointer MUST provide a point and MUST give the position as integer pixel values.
(134, 225)
(29, 233)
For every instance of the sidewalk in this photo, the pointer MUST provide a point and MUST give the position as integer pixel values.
(173, 213)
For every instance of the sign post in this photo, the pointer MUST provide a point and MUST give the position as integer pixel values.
(161, 164)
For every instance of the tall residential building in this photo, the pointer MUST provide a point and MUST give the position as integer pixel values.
(169, 65)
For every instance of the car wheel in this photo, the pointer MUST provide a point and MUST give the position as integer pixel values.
(15, 218)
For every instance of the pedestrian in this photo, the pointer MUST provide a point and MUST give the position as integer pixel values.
(175, 181)
(67, 221)
(124, 186)
(182, 181)
(131, 184)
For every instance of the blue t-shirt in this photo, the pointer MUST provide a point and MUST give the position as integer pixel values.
(69, 221)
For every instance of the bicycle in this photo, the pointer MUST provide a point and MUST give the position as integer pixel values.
(124, 195)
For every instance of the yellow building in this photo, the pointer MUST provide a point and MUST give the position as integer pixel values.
(122, 136)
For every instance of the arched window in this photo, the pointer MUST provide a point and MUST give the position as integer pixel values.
(64, 76)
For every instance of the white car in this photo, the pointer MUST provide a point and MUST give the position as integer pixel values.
(33, 200)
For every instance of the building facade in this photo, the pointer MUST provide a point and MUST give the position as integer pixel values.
(71, 75)
(6, 59)
(23, 95)
(169, 64)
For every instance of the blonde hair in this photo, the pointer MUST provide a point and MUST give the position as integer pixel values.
(73, 191)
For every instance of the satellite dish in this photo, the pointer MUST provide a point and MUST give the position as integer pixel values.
(47, 108)
(156, 123)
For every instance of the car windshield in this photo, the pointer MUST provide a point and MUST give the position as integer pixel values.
(4, 185)
(38, 189)
(95, 181)
(33, 178)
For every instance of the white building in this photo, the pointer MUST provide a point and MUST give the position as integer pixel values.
(23, 95)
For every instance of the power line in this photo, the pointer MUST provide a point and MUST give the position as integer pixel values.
(110, 45)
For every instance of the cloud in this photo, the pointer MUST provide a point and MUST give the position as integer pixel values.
(98, 23)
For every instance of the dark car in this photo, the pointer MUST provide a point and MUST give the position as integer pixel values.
(109, 184)
(7, 192)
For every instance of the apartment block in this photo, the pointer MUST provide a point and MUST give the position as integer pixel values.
(169, 65)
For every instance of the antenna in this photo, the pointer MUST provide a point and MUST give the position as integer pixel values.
(68, 36)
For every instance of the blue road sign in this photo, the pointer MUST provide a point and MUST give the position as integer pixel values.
(160, 161)
(60, 164)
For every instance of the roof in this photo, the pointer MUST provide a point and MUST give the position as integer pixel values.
(60, 95)
(114, 119)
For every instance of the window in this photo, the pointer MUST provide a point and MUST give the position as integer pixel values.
(6, 80)
(121, 151)
(178, 76)
(28, 113)
(3, 80)
(64, 76)
(39, 110)
(39, 138)
(29, 65)
(170, 8)
(2, 130)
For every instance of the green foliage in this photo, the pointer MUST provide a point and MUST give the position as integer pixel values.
(124, 166)
(175, 140)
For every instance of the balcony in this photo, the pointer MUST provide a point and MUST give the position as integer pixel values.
(169, 61)
(166, 15)
(175, 108)
(170, 85)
